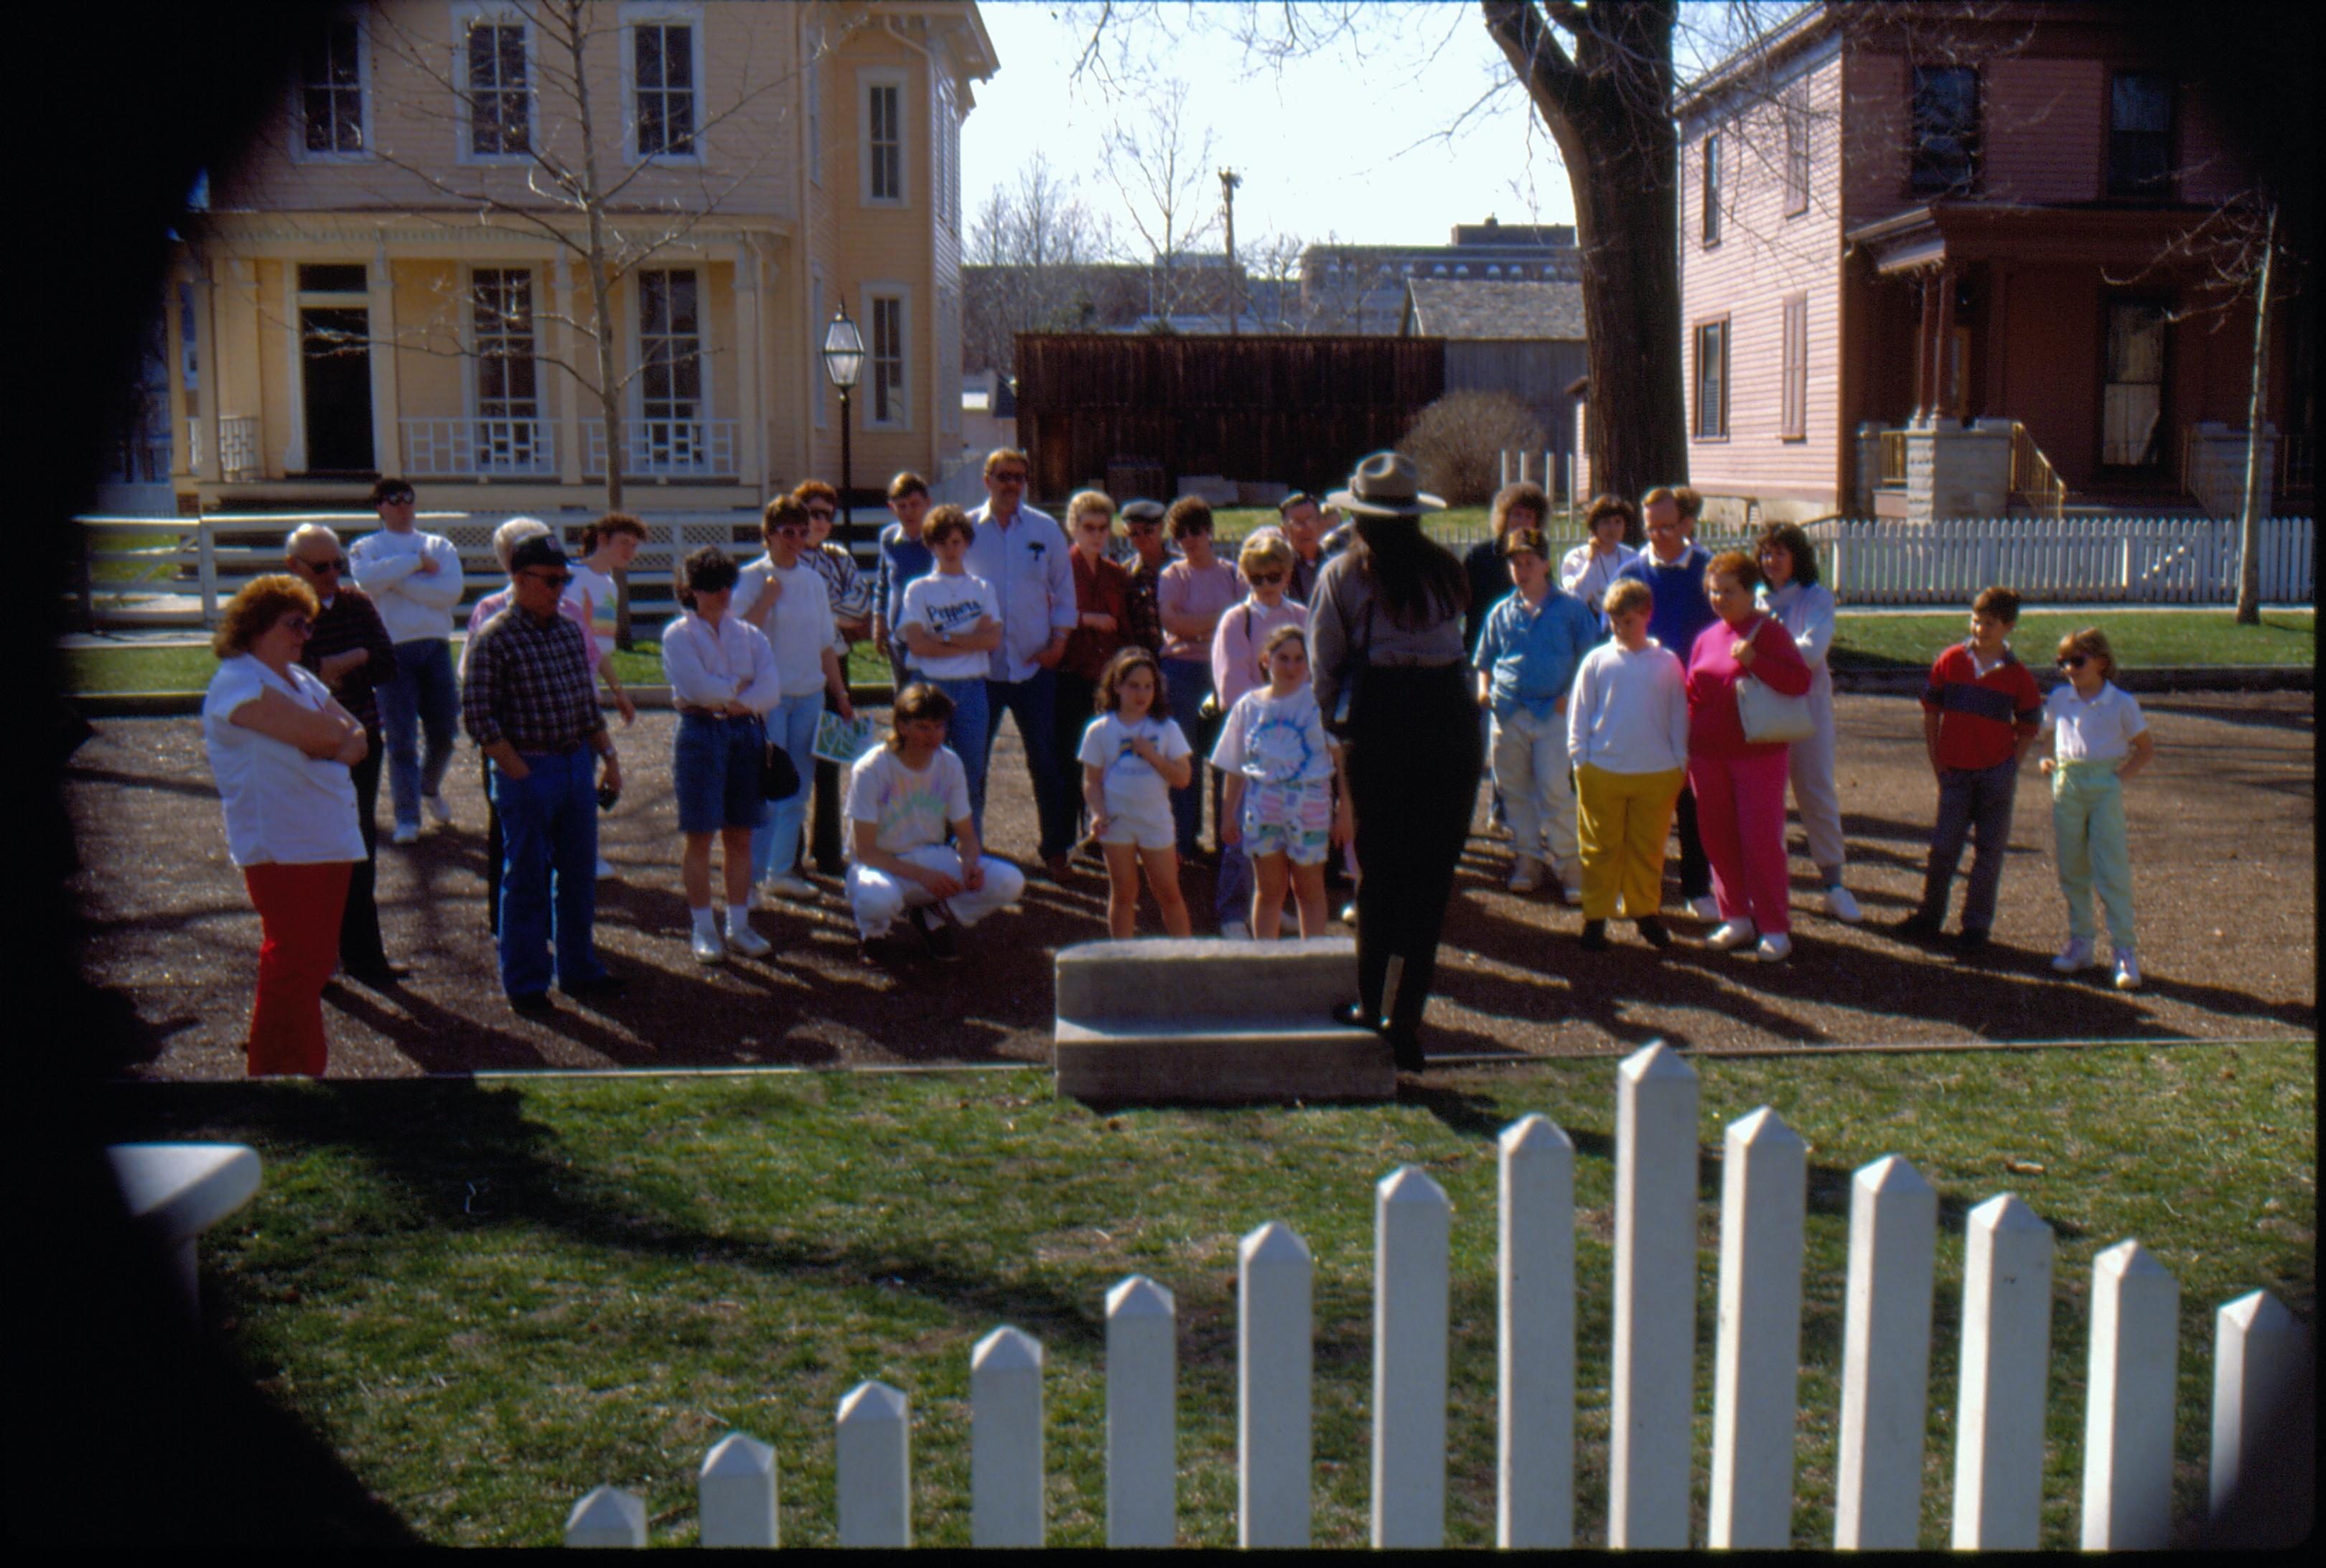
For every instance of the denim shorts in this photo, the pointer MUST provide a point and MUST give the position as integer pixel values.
(715, 773)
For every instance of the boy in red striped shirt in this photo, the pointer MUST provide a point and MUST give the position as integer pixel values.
(1979, 713)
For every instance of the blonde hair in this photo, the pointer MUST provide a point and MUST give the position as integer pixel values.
(512, 532)
(1265, 548)
(1090, 500)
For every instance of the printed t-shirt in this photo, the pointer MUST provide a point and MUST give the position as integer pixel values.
(594, 590)
(1274, 739)
(282, 806)
(910, 810)
(1132, 786)
(949, 604)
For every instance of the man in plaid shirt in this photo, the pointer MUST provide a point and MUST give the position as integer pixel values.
(531, 705)
(351, 649)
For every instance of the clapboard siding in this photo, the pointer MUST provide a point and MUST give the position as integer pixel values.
(1764, 255)
(2045, 129)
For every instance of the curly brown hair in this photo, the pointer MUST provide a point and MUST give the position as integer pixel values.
(816, 489)
(1612, 506)
(1795, 541)
(252, 613)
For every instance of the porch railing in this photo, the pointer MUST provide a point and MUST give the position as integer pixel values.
(478, 448)
(668, 448)
(237, 448)
(2034, 484)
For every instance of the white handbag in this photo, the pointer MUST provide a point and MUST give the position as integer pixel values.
(1770, 715)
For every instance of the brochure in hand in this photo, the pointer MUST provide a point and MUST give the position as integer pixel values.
(843, 741)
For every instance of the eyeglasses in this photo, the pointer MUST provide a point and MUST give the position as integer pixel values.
(320, 567)
(792, 528)
(1009, 476)
(2073, 661)
(1262, 579)
(554, 579)
(823, 512)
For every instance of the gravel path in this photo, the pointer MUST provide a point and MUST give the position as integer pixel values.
(2224, 842)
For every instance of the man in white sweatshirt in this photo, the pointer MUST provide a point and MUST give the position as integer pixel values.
(414, 581)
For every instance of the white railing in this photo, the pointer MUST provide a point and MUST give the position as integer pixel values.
(667, 448)
(237, 448)
(2071, 560)
(478, 448)
(2261, 1354)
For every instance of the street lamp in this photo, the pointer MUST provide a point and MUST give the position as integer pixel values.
(843, 361)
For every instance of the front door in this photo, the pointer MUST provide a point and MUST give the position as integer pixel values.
(335, 364)
(2132, 398)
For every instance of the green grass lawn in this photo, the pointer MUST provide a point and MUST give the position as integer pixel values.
(189, 669)
(2149, 639)
(493, 1296)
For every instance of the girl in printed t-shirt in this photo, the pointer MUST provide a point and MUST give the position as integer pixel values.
(1132, 757)
(1279, 769)
(902, 799)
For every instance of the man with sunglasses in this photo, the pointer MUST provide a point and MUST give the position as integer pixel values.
(349, 646)
(415, 580)
(532, 707)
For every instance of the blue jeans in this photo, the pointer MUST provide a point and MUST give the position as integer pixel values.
(419, 696)
(1187, 682)
(970, 735)
(1034, 702)
(549, 872)
(774, 843)
(1974, 804)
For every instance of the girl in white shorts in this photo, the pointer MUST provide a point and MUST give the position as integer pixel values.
(1134, 756)
(1279, 765)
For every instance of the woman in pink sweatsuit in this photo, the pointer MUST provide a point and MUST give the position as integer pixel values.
(1739, 784)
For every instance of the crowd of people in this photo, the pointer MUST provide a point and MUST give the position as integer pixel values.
(1343, 684)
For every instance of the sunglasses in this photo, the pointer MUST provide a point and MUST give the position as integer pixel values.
(554, 579)
(1013, 476)
(824, 512)
(320, 567)
(297, 625)
(2073, 661)
(1261, 579)
(1100, 526)
(792, 528)
(401, 498)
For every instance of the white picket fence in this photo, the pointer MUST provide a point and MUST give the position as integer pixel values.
(2077, 560)
(2260, 1351)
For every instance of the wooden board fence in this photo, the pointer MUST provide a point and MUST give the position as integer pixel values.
(2261, 1352)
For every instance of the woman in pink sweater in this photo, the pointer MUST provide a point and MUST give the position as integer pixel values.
(1740, 784)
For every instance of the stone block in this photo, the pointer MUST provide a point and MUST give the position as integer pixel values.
(1215, 1060)
(1172, 977)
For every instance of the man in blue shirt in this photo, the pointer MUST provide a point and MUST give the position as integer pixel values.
(1528, 651)
(1673, 567)
(1022, 553)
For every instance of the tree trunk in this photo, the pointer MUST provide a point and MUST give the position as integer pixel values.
(2257, 476)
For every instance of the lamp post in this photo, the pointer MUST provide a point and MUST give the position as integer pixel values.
(843, 361)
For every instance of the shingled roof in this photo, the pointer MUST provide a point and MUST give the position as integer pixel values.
(1438, 307)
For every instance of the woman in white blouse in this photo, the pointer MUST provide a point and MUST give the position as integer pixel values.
(1792, 592)
(723, 680)
(280, 749)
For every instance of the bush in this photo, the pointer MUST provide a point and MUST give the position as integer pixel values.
(1457, 442)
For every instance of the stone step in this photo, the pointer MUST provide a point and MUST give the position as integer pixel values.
(1222, 1059)
(1164, 978)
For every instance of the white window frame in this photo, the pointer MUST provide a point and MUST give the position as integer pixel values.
(1793, 368)
(634, 14)
(902, 293)
(811, 69)
(635, 348)
(819, 385)
(471, 401)
(496, 14)
(868, 78)
(302, 154)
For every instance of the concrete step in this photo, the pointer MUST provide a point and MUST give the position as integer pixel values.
(1222, 1059)
(1163, 977)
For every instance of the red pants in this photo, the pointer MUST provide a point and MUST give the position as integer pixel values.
(299, 910)
(1740, 812)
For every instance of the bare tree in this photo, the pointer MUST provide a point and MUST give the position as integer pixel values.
(1275, 260)
(1164, 170)
(1030, 253)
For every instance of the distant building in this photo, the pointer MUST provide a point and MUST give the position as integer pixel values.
(1924, 270)
(348, 306)
(1526, 339)
(1360, 288)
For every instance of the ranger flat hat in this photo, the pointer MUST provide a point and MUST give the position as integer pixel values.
(1386, 485)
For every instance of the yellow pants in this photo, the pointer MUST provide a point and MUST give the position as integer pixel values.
(1624, 819)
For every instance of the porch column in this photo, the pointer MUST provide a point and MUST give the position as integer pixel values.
(386, 404)
(1942, 359)
(1923, 401)
(750, 419)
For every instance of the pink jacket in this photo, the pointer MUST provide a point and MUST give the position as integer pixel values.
(1714, 730)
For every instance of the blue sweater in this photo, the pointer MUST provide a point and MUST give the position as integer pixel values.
(1681, 610)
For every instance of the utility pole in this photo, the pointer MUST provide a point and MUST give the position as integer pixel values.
(1229, 181)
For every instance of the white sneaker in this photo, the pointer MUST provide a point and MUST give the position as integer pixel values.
(605, 868)
(790, 885)
(1236, 930)
(748, 942)
(2077, 954)
(2127, 970)
(1774, 948)
(1349, 914)
(1526, 876)
(706, 946)
(406, 833)
(1706, 909)
(438, 809)
(1842, 905)
(1734, 934)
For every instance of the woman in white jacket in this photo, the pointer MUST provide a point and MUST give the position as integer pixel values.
(1804, 607)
